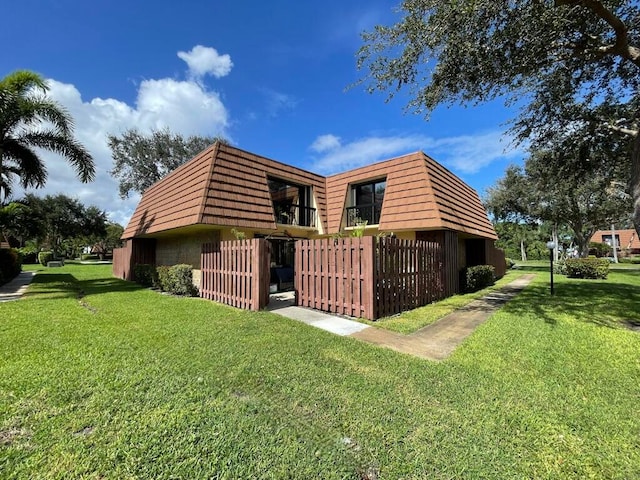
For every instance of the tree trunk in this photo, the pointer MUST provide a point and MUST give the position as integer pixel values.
(582, 243)
(523, 251)
(635, 182)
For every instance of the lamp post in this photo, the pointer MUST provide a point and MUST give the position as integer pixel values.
(551, 246)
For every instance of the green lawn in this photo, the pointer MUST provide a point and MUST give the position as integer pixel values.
(126, 383)
(412, 320)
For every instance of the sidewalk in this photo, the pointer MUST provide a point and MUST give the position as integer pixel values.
(434, 342)
(438, 340)
(16, 287)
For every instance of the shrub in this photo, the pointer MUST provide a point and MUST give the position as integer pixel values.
(144, 274)
(177, 279)
(560, 267)
(29, 254)
(478, 277)
(163, 280)
(599, 249)
(45, 257)
(182, 280)
(587, 268)
(634, 260)
(10, 264)
(88, 256)
(510, 263)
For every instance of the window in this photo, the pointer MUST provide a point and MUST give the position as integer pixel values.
(292, 203)
(366, 203)
(608, 240)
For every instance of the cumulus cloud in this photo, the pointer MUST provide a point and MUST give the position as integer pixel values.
(206, 60)
(186, 107)
(464, 154)
(341, 157)
(325, 143)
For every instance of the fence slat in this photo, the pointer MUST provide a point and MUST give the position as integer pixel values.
(369, 277)
(236, 273)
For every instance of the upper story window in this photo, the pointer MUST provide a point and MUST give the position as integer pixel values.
(366, 203)
(608, 239)
(292, 203)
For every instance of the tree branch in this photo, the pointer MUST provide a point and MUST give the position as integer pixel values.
(621, 47)
(623, 130)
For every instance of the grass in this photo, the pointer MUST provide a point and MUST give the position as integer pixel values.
(102, 379)
(412, 320)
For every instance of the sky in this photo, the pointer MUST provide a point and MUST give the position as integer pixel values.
(272, 77)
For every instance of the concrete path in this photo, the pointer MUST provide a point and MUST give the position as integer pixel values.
(438, 340)
(283, 304)
(16, 287)
(435, 342)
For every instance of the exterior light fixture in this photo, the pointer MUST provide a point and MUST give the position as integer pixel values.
(551, 246)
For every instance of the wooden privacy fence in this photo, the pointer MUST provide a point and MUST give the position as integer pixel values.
(367, 277)
(496, 257)
(135, 251)
(236, 273)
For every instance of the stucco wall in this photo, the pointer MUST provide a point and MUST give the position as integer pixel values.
(184, 249)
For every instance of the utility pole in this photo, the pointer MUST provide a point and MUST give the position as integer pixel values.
(614, 244)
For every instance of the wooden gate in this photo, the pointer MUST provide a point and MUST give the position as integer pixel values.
(236, 273)
(367, 277)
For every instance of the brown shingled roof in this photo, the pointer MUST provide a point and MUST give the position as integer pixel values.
(420, 195)
(222, 185)
(226, 186)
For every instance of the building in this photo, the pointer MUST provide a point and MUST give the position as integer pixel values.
(627, 241)
(224, 192)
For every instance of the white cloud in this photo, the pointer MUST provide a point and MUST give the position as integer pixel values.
(325, 143)
(278, 101)
(464, 154)
(185, 107)
(471, 153)
(364, 151)
(206, 60)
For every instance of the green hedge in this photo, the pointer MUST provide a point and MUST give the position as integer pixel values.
(634, 260)
(45, 257)
(10, 264)
(177, 279)
(163, 280)
(145, 274)
(592, 268)
(477, 277)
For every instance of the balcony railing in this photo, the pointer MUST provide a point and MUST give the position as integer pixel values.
(295, 215)
(364, 213)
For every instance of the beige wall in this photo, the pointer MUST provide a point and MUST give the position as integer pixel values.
(184, 248)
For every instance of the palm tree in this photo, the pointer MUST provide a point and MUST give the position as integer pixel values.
(29, 120)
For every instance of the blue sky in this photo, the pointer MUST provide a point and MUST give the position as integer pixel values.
(270, 76)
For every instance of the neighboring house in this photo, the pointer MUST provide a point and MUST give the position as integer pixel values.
(627, 241)
(225, 188)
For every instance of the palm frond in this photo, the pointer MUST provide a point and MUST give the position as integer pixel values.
(21, 82)
(72, 150)
(26, 163)
(37, 109)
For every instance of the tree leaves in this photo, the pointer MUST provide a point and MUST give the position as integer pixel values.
(141, 160)
(29, 120)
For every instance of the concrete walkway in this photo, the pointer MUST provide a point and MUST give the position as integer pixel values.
(283, 304)
(16, 287)
(434, 342)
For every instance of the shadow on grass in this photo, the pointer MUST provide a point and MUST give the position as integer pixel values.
(52, 286)
(607, 303)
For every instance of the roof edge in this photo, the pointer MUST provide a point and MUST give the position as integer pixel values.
(205, 191)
